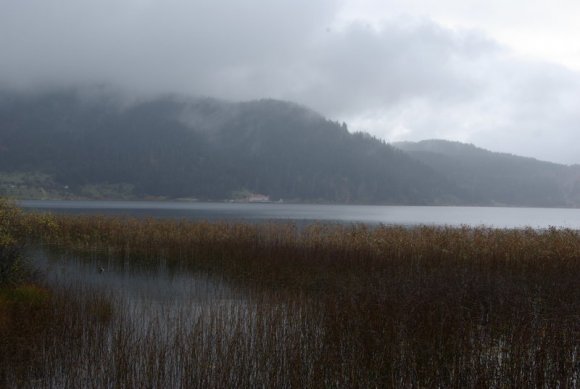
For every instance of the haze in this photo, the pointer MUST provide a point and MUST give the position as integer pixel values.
(503, 76)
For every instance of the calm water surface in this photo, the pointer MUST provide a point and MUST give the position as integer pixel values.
(499, 217)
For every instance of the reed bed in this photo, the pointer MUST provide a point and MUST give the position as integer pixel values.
(319, 306)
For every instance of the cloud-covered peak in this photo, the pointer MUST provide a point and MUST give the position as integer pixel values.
(398, 77)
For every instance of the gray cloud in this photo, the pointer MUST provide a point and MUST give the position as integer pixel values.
(205, 47)
(402, 79)
(362, 68)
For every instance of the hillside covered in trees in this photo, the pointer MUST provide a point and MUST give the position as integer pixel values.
(88, 144)
(95, 146)
(497, 178)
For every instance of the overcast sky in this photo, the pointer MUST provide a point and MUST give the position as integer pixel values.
(504, 75)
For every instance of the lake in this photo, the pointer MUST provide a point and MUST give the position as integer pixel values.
(497, 217)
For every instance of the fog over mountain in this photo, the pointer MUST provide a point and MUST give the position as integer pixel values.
(69, 143)
(94, 143)
(499, 178)
(504, 76)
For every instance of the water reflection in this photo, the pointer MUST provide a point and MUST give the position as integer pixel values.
(147, 297)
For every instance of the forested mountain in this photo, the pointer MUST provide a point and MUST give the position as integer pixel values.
(71, 143)
(86, 143)
(499, 178)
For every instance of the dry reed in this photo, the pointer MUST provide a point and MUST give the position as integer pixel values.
(320, 306)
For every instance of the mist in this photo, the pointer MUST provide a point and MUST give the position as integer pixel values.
(403, 76)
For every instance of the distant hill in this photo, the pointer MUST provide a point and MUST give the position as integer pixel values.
(73, 143)
(499, 178)
(84, 143)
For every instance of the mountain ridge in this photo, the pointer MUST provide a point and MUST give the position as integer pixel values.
(207, 149)
(501, 178)
(74, 143)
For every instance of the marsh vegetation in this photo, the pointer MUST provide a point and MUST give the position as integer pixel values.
(278, 305)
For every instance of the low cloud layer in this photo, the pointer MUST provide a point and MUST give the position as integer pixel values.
(404, 78)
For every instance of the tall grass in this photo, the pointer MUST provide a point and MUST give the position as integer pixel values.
(11, 261)
(321, 306)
